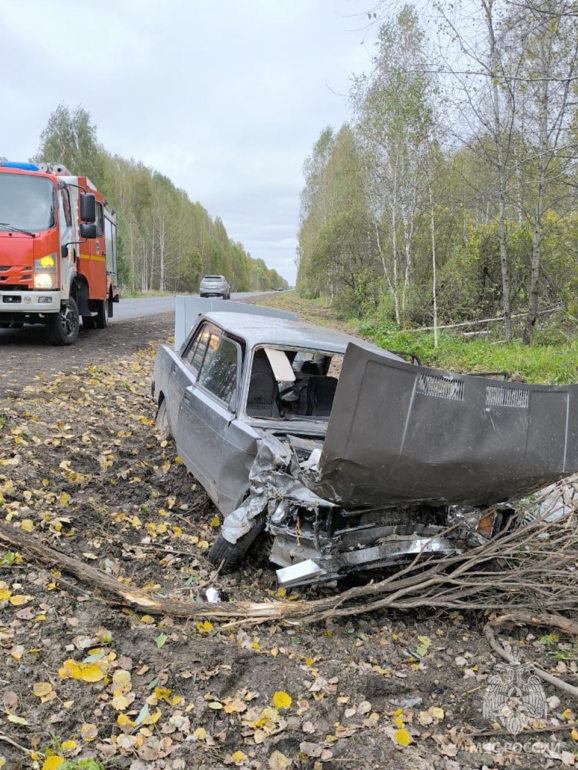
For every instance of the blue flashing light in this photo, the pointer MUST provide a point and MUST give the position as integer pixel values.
(23, 166)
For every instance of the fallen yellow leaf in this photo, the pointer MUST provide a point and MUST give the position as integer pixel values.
(281, 700)
(52, 763)
(41, 689)
(16, 720)
(69, 745)
(402, 737)
(19, 599)
(204, 627)
(278, 761)
(87, 672)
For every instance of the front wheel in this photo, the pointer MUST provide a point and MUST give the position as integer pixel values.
(229, 556)
(101, 320)
(63, 328)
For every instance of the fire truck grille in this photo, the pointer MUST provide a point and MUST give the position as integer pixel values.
(13, 286)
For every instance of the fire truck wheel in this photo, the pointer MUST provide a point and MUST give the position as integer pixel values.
(64, 326)
(101, 320)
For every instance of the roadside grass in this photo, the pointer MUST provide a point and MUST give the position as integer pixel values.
(551, 359)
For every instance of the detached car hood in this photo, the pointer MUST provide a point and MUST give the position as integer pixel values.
(403, 434)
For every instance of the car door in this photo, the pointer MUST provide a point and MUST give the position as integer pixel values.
(181, 369)
(207, 409)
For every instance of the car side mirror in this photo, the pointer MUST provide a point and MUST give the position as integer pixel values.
(87, 231)
(87, 208)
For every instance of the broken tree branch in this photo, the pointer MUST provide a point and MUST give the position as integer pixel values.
(521, 571)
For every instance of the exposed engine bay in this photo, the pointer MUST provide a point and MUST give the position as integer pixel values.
(316, 540)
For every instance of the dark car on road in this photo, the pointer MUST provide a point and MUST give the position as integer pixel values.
(215, 286)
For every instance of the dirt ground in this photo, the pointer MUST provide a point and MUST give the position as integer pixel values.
(82, 467)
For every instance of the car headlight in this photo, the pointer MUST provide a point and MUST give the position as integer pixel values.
(45, 272)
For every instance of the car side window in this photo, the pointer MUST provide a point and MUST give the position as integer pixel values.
(195, 352)
(218, 373)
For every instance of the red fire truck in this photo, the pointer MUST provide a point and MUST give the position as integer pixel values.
(57, 251)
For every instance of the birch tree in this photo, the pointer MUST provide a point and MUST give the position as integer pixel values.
(394, 120)
(549, 40)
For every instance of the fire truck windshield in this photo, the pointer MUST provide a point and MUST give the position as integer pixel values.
(26, 203)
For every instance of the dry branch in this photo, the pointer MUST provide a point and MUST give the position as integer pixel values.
(522, 571)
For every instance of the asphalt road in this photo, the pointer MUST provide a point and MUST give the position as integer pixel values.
(145, 306)
(126, 310)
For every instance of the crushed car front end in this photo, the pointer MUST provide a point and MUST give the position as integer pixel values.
(411, 462)
(316, 540)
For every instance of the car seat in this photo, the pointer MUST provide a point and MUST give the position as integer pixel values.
(263, 388)
(320, 395)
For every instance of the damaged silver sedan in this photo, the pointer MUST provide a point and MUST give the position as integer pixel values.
(347, 455)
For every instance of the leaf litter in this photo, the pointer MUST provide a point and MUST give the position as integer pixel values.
(84, 680)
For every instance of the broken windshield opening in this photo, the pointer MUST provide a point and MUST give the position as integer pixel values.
(292, 383)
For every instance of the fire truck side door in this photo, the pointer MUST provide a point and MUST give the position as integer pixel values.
(66, 236)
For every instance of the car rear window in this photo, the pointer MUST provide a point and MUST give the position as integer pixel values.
(196, 351)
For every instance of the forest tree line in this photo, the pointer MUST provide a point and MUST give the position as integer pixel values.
(451, 194)
(166, 242)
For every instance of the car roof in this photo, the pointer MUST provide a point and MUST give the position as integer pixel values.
(269, 330)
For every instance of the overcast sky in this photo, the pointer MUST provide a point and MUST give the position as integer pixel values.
(225, 97)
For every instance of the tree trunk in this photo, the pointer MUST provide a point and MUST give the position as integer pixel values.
(498, 139)
(538, 210)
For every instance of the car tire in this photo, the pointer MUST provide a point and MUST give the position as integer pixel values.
(229, 556)
(63, 327)
(162, 421)
(101, 320)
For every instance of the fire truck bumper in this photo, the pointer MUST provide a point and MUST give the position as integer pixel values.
(27, 306)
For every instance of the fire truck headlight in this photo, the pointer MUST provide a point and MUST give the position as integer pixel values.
(44, 281)
(45, 272)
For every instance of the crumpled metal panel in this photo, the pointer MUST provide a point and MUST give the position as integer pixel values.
(271, 482)
(403, 434)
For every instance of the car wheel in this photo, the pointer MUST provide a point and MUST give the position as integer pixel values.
(230, 555)
(101, 320)
(162, 421)
(63, 327)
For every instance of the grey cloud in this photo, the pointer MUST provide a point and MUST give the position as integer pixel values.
(226, 99)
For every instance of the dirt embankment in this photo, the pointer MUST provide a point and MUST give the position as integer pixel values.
(82, 468)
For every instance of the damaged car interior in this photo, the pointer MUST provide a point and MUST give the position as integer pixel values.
(289, 384)
(347, 457)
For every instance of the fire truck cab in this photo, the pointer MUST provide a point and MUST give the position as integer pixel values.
(58, 251)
